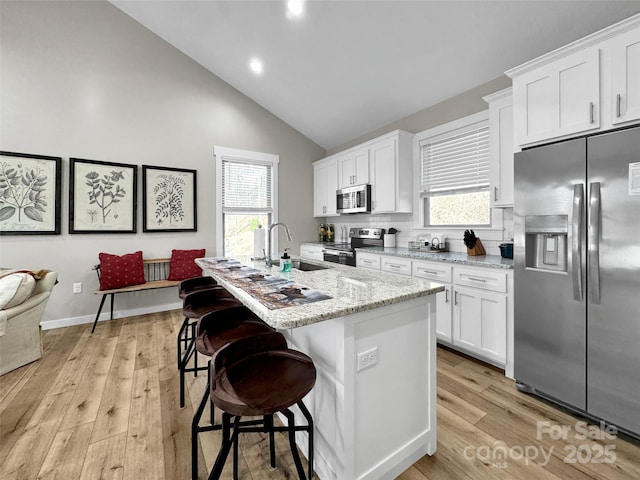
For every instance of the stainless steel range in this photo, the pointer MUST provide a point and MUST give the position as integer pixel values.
(345, 253)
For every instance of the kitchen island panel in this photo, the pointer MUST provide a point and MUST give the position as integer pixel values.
(376, 422)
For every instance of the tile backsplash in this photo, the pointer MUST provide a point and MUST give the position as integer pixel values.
(407, 232)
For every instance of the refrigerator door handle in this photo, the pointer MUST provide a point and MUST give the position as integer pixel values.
(593, 230)
(576, 244)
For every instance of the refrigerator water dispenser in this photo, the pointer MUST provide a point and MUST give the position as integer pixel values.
(546, 242)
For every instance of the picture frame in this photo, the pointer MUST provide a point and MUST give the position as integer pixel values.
(169, 199)
(103, 197)
(30, 194)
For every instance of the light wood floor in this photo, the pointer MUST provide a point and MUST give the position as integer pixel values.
(105, 406)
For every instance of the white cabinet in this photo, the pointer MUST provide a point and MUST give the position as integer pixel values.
(353, 168)
(368, 260)
(474, 313)
(480, 312)
(325, 184)
(314, 252)
(439, 272)
(557, 99)
(625, 74)
(385, 162)
(591, 85)
(390, 168)
(480, 322)
(501, 147)
(395, 265)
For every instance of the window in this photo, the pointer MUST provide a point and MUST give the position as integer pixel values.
(246, 197)
(455, 175)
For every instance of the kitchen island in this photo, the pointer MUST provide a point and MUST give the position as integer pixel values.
(373, 343)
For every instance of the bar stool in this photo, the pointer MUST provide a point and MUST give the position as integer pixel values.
(196, 305)
(194, 284)
(260, 376)
(215, 330)
(186, 287)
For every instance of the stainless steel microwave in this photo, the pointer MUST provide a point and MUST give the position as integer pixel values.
(355, 199)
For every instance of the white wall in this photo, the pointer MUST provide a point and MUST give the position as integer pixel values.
(82, 79)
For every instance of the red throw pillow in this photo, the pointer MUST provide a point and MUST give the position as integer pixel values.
(183, 264)
(121, 271)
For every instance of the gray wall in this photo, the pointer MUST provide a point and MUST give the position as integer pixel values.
(460, 106)
(82, 79)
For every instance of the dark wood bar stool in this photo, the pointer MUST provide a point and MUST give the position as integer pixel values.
(195, 305)
(260, 376)
(190, 285)
(215, 330)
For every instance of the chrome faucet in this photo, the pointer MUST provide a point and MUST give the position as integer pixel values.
(267, 259)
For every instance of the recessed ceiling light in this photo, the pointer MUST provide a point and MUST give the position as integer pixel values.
(295, 8)
(256, 66)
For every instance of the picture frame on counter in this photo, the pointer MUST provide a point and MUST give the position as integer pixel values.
(30, 194)
(102, 197)
(169, 199)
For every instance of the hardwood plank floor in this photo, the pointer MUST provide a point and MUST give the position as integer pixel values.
(105, 406)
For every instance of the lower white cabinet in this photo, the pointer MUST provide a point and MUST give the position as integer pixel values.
(438, 272)
(480, 322)
(474, 313)
(314, 252)
(395, 265)
(368, 260)
(480, 312)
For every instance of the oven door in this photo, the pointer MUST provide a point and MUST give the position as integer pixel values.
(343, 257)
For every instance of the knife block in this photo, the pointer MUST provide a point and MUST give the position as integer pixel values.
(478, 249)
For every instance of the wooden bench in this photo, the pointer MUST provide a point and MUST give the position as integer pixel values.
(156, 271)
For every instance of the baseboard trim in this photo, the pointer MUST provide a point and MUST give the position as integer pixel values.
(69, 322)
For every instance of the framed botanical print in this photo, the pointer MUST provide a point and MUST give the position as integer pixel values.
(30, 194)
(103, 197)
(169, 199)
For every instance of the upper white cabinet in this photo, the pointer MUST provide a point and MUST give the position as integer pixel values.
(559, 98)
(353, 168)
(385, 162)
(590, 85)
(325, 184)
(625, 77)
(390, 167)
(501, 147)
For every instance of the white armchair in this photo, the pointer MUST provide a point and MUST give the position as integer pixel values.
(20, 341)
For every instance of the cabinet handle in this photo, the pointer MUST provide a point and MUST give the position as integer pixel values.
(432, 272)
(618, 101)
(455, 298)
(495, 194)
(591, 112)
(473, 279)
(446, 295)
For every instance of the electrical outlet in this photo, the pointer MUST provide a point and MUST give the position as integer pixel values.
(77, 288)
(368, 358)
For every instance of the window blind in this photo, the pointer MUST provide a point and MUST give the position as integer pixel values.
(456, 164)
(246, 187)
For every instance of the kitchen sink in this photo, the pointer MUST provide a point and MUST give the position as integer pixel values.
(303, 266)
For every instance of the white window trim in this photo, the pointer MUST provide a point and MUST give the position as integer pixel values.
(245, 156)
(432, 134)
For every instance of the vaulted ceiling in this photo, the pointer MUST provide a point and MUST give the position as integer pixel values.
(345, 68)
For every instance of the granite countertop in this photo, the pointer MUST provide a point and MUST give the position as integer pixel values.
(492, 261)
(352, 290)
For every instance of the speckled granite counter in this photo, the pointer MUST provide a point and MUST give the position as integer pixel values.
(491, 261)
(352, 290)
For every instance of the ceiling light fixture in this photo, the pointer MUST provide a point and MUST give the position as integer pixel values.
(256, 66)
(295, 8)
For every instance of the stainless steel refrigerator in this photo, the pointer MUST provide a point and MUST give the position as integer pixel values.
(577, 275)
